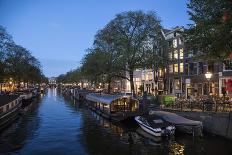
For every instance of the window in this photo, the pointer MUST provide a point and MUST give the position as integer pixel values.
(174, 34)
(176, 68)
(7, 107)
(181, 53)
(177, 84)
(169, 43)
(227, 65)
(180, 41)
(186, 68)
(200, 68)
(149, 76)
(161, 73)
(1, 110)
(174, 43)
(181, 67)
(170, 68)
(175, 54)
(192, 68)
(170, 55)
(190, 54)
(211, 67)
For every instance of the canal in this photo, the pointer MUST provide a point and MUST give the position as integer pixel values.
(57, 124)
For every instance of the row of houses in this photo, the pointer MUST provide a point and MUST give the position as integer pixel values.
(182, 75)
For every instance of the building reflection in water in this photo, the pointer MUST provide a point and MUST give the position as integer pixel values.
(176, 149)
(105, 137)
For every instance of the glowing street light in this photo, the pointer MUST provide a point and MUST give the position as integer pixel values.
(208, 75)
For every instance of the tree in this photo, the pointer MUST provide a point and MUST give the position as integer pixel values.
(133, 37)
(110, 64)
(5, 39)
(17, 62)
(210, 35)
(93, 65)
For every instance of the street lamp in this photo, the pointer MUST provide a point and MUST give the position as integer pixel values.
(208, 76)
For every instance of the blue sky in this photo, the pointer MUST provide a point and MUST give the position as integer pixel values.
(57, 32)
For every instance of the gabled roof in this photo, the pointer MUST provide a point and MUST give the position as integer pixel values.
(166, 30)
(105, 98)
(5, 99)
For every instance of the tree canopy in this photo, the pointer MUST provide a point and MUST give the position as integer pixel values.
(130, 41)
(210, 35)
(17, 62)
(135, 36)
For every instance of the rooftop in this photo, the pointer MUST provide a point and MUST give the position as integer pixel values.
(105, 98)
(5, 99)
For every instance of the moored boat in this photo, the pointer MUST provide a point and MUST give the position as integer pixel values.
(27, 97)
(9, 109)
(182, 124)
(116, 107)
(155, 125)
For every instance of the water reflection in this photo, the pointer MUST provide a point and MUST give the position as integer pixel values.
(13, 137)
(58, 124)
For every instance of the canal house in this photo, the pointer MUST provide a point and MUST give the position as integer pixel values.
(9, 108)
(115, 107)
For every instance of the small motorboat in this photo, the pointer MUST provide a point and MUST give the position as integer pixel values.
(182, 124)
(155, 125)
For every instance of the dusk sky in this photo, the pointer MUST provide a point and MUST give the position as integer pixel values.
(57, 32)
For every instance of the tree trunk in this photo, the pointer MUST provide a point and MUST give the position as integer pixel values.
(109, 84)
(132, 82)
(1, 88)
(108, 91)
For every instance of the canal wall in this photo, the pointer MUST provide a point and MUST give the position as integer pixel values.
(215, 123)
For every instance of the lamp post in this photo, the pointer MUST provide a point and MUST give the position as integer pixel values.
(208, 76)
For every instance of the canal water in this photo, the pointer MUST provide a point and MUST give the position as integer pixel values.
(57, 125)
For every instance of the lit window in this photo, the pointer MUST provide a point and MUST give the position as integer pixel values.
(181, 67)
(174, 43)
(176, 68)
(175, 54)
(180, 41)
(181, 53)
(170, 68)
(161, 73)
(177, 84)
(190, 54)
(170, 55)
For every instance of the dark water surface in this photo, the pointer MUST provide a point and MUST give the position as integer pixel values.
(58, 125)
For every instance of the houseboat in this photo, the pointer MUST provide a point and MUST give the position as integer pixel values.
(80, 94)
(115, 107)
(155, 125)
(9, 109)
(27, 97)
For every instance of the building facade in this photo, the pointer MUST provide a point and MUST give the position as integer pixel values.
(185, 76)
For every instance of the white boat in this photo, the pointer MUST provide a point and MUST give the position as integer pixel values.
(155, 125)
(182, 124)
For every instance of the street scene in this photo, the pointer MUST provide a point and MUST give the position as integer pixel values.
(105, 77)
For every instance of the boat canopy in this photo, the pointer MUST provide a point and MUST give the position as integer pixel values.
(106, 98)
(176, 119)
